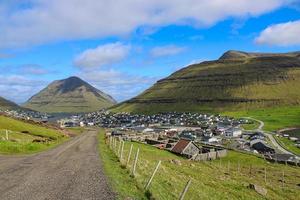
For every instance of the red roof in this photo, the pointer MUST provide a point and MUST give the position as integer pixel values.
(181, 145)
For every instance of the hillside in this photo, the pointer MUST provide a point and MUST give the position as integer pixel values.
(71, 95)
(236, 81)
(26, 137)
(5, 104)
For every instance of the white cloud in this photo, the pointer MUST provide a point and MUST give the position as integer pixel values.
(120, 85)
(102, 55)
(168, 50)
(281, 34)
(42, 21)
(18, 88)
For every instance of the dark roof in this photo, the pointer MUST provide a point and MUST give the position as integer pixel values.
(181, 145)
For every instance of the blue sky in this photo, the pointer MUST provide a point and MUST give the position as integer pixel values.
(124, 47)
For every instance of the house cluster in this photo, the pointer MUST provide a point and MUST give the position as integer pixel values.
(255, 142)
(162, 139)
(112, 120)
(27, 115)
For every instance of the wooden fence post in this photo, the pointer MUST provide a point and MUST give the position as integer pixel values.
(129, 155)
(6, 133)
(119, 148)
(110, 142)
(122, 148)
(239, 167)
(152, 176)
(185, 190)
(135, 162)
(115, 144)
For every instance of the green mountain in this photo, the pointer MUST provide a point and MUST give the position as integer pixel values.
(71, 95)
(236, 81)
(6, 104)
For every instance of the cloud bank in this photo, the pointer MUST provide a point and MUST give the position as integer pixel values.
(283, 34)
(102, 55)
(168, 50)
(34, 22)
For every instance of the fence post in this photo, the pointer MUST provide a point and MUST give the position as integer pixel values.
(115, 144)
(110, 142)
(135, 161)
(152, 176)
(239, 167)
(119, 148)
(6, 133)
(122, 148)
(129, 155)
(185, 190)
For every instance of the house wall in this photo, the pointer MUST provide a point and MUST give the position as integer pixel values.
(191, 150)
(211, 155)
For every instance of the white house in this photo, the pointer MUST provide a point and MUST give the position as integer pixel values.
(233, 132)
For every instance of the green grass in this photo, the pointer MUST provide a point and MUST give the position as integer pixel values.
(210, 180)
(76, 130)
(121, 182)
(252, 126)
(22, 143)
(274, 118)
(288, 144)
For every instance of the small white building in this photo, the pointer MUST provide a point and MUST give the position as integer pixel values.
(233, 132)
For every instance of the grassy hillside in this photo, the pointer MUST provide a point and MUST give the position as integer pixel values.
(5, 104)
(210, 180)
(25, 137)
(71, 95)
(274, 118)
(237, 81)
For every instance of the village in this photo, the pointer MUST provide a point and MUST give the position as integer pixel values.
(192, 135)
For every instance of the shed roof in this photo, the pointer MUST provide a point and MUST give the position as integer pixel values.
(181, 145)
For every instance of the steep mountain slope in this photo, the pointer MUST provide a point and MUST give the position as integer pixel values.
(238, 80)
(5, 104)
(71, 95)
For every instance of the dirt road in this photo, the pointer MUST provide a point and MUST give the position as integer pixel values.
(71, 171)
(270, 136)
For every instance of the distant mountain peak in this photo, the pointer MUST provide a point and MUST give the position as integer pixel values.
(232, 55)
(70, 95)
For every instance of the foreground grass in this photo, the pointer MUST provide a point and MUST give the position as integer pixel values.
(210, 180)
(121, 182)
(274, 118)
(22, 135)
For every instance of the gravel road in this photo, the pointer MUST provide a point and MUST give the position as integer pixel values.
(70, 171)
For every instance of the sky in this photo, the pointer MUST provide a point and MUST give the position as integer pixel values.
(122, 47)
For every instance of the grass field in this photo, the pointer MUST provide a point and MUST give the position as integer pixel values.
(125, 185)
(210, 180)
(288, 144)
(274, 118)
(251, 126)
(26, 138)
